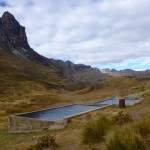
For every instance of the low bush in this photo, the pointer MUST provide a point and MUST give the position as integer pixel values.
(44, 142)
(94, 131)
(125, 138)
(122, 118)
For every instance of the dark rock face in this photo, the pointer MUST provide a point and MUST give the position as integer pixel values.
(13, 35)
(12, 32)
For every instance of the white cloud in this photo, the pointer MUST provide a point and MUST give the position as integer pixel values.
(95, 32)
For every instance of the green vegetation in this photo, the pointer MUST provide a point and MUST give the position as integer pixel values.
(94, 131)
(129, 136)
(124, 138)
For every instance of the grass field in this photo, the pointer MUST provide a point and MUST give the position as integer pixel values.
(70, 138)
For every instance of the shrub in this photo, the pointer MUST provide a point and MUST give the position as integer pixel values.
(121, 118)
(125, 138)
(94, 131)
(46, 141)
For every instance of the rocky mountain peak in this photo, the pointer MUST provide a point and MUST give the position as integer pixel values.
(12, 32)
(13, 36)
(8, 17)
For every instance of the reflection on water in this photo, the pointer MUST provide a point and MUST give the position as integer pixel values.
(59, 113)
(115, 101)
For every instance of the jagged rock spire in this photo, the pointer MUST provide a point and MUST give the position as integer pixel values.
(12, 32)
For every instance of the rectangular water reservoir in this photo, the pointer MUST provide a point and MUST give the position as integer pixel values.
(54, 118)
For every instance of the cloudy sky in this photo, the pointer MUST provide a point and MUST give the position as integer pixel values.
(100, 33)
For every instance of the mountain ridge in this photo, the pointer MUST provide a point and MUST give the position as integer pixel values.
(14, 37)
(14, 40)
(126, 72)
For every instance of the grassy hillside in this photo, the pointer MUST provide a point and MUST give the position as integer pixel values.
(112, 87)
(22, 80)
(25, 86)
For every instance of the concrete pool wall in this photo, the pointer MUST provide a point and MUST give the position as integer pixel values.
(24, 124)
(18, 123)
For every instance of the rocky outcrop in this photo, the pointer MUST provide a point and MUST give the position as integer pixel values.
(13, 35)
(12, 32)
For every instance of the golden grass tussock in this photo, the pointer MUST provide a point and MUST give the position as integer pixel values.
(144, 126)
(118, 132)
(125, 138)
(95, 131)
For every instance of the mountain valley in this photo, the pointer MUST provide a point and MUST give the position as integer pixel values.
(29, 82)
